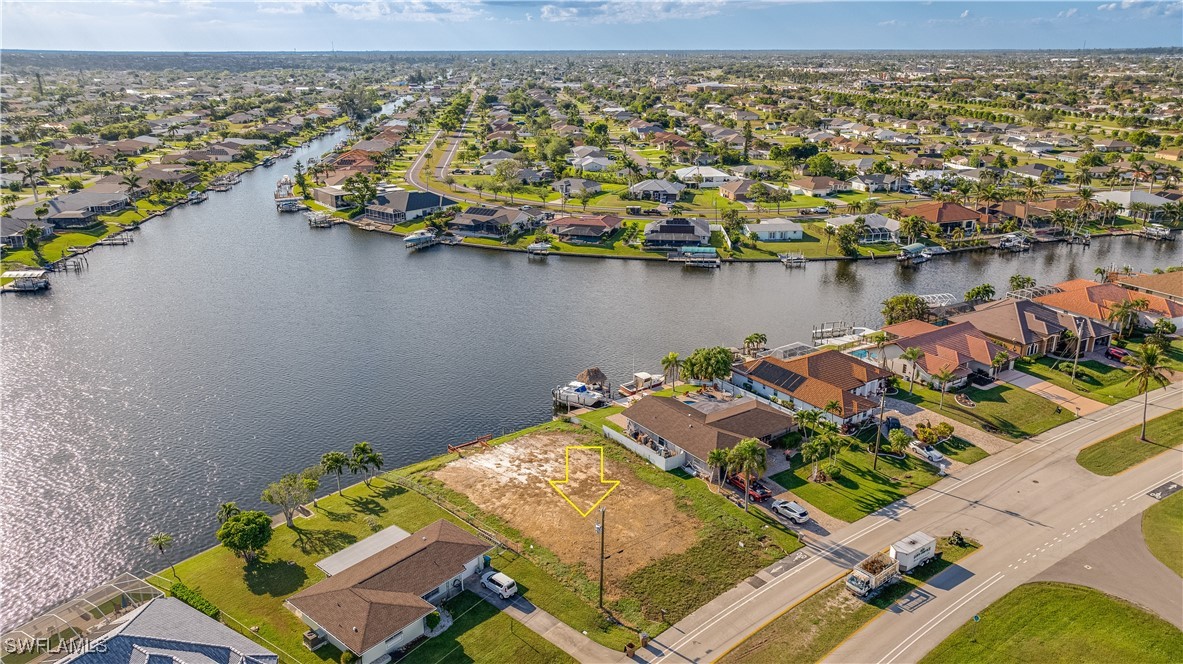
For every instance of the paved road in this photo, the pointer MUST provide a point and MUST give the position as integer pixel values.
(1030, 506)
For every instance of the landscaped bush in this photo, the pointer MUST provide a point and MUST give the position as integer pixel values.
(433, 619)
(193, 599)
(348, 657)
(833, 470)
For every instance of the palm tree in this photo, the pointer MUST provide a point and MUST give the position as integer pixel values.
(748, 458)
(719, 459)
(227, 510)
(1101, 273)
(880, 341)
(31, 174)
(912, 356)
(830, 233)
(162, 541)
(334, 463)
(1082, 177)
(364, 460)
(671, 364)
(834, 408)
(1148, 368)
(944, 377)
(806, 421)
(1123, 313)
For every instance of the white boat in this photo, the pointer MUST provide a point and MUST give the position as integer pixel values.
(641, 381)
(197, 197)
(576, 393)
(1156, 232)
(538, 248)
(1014, 242)
(792, 260)
(422, 238)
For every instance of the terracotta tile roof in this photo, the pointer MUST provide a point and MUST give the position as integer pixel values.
(367, 603)
(908, 328)
(952, 347)
(1169, 284)
(698, 433)
(819, 378)
(1094, 300)
(940, 212)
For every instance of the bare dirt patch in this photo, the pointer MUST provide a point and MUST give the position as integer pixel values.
(512, 481)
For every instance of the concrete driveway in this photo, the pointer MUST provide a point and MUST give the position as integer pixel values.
(1062, 397)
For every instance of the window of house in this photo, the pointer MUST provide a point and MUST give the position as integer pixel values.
(433, 593)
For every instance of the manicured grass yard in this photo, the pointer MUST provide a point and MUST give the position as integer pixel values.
(816, 626)
(1162, 526)
(1095, 380)
(1054, 622)
(55, 248)
(1124, 450)
(1172, 359)
(860, 490)
(598, 418)
(481, 633)
(1005, 411)
(961, 450)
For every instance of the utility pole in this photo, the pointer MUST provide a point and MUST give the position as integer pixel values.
(600, 530)
(1076, 356)
(879, 429)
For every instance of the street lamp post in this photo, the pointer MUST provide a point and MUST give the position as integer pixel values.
(879, 429)
(600, 530)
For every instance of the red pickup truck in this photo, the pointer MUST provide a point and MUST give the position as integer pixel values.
(757, 492)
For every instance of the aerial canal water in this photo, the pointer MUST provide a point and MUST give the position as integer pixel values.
(230, 344)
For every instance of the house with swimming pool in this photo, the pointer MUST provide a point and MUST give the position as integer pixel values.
(827, 378)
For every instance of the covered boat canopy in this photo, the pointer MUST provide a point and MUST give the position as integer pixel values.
(592, 376)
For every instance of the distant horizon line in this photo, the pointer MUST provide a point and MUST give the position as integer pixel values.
(1168, 49)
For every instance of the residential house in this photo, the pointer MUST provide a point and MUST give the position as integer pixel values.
(1095, 301)
(959, 348)
(1113, 145)
(81, 208)
(586, 229)
(813, 381)
(378, 605)
(1127, 198)
(776, 229)
(166, 630)
(876, 227)
(677, 232)
(818, 186)
(736, 190)
(703, 177)
(331, 196)
(1168, 286)
(572, 187)
(12, 231)
(397, 207)
(1030, 329)
(1170, 154)
(949, 216)
(495, 157)
(1038, 171)
(355, 160)
(661, 191)
(689, 432)
(481, 221)
(872, 182)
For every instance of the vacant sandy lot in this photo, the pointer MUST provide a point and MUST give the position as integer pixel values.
(511, 480)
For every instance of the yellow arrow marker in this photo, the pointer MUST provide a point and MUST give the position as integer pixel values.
(610, 484)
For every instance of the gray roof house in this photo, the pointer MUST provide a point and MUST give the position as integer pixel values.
(168, 631)
(396, 207)
(878, 228)
(80, 208)
(677, 232)
(575, 186)
(662, 191)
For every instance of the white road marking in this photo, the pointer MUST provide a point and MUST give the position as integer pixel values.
(933, 622)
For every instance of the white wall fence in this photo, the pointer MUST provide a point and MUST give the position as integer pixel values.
(652, 456)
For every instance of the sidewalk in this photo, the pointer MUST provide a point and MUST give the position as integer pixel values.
(910, 415)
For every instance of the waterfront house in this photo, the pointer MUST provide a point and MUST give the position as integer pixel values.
(355, 160)
(818, 186)
(165, 630)
(960, 348)
(488, 221)
(673, 433)
(1030, 329)
(588, 229)
(948, 216)
(776, 229)
(81, 208)
(1095, 301)
(331, 196)
(677, 232)
(397, 207)
(813, 381)
(1168, 285)
(661, 191)
(1127, 198)
(571, 187)
(876, 227)
(12, 231)
(379, 604)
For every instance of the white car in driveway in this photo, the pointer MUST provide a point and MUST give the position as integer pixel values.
(500, 584)
(926, 452)
(790, 510)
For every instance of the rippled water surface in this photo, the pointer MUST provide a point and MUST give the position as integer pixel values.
(230, 344)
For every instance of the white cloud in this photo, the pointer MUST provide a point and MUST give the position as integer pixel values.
(630, 11)
(285, 6)
(965, 14)
(406, 10)
(893, 23)
(1067, 13)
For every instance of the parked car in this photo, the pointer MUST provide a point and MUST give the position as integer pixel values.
(1115, 353)
(790, 510)
(889, 424)
(926, 451)
(757, 492)
(499, 583)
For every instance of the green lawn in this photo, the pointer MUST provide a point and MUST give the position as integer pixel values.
(599, 417)
(1124, 450)
(1053, 622)
(1095, 380)
(1172, 359)
(678, 583)
(860, 490)
(1162, 526)
(481, 633)
(1005, 411)
(821, 623)
(961, 450)
(57, 247)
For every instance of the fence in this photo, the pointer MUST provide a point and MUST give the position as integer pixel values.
(652, 456)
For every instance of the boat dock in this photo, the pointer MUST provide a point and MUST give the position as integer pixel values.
(792, 260)
(317, 219)
(24, 281)
(700, 257)
(538, 249)
(120, 238)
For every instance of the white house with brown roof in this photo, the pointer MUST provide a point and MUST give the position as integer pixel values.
(813, 381)
(378, 605)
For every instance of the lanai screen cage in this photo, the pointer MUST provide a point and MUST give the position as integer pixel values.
(48, 637)
(1032, 293)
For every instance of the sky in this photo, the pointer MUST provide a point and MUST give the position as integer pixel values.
(511, 25)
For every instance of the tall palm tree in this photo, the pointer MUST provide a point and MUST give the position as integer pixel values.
(912, 355)
(834, 408)
(31, 174)
(227, 510)
(162, 541)
(1148, 365)
(749, 459)
(944, 377)
(1124, 313)
(720, 460)
(671, 364)
(334, 463)
(806, 421)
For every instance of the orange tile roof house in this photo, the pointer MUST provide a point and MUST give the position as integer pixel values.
(1094, 301)
(959, 348)
(949, 216)
(378, 605)
(1168, 286)
(810, 382)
